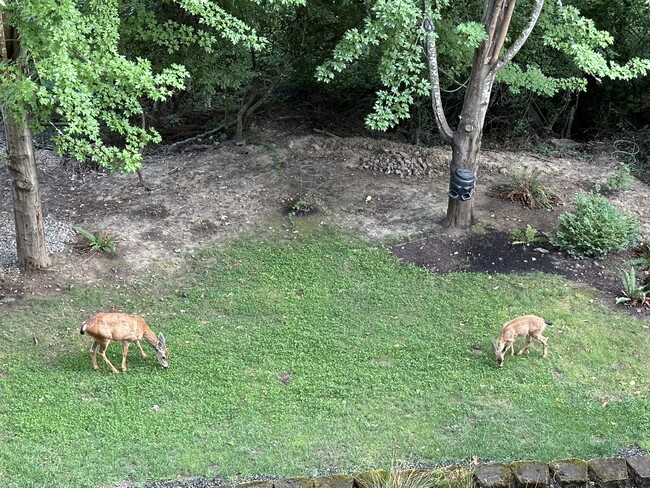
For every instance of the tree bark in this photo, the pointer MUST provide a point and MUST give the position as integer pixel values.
(28, 214)
(466, 145)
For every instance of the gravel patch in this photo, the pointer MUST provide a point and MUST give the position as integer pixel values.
(57, 234)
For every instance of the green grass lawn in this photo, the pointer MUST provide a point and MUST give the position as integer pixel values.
(294, 356)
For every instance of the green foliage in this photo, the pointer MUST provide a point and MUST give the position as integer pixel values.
(393, 28)
(78, 76)
(260, 43)
(619, 179)
(565, 48)
(98, 241)
(525, 237)
(533, 79)
(527, 188)
(634, 293)
(578, 37)
(595, 228)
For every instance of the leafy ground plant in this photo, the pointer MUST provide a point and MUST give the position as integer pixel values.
(304, 204)
(98, 241)
(634, 293)
(527, 188)
(526, 237)
(296, 355)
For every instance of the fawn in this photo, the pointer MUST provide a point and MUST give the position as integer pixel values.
(107, 327)
(530, 326)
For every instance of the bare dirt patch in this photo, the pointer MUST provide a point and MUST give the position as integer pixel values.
(195, 198)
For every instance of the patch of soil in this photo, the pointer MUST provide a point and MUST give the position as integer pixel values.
(493, 252)
(381, 188)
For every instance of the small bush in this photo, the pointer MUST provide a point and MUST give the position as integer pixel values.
(303, 204)
(619, 179)
(595, 228)
(527, 188)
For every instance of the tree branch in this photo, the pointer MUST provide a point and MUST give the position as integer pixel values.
(446, 134)
(504, 25)
(523, 37)
(491, 17)
(4, 54)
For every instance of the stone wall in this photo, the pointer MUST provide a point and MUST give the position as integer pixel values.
(629, 472)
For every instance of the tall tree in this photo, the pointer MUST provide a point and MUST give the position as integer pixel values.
(408, 32)
(21, 163)
(62, 67)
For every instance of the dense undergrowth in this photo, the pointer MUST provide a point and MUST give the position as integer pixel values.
(299, 356)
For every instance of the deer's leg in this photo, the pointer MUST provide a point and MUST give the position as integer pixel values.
(102, 353)
(141, 351)
(544, 342)
(125, 351)
(511, 346)
(525, 346)
(93, 354)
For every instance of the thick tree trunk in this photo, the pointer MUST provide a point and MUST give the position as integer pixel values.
(488, 60)
(28, 214)
(466, 143)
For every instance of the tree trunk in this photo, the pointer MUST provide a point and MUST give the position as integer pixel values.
(466, 143)
(488, 60)
(28, 214)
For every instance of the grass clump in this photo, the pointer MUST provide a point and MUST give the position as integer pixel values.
(404, 476)
(528, 189)
(595, 228)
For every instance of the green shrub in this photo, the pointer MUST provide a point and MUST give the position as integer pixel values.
(595, 228)
(619, 179)
(642, 256)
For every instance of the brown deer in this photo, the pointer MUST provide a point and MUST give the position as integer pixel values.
(107, 327)
(530, 326)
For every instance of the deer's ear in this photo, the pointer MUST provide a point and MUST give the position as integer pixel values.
(161, 339)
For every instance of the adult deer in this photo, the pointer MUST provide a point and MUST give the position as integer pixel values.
(530, 326)
(107, 327)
